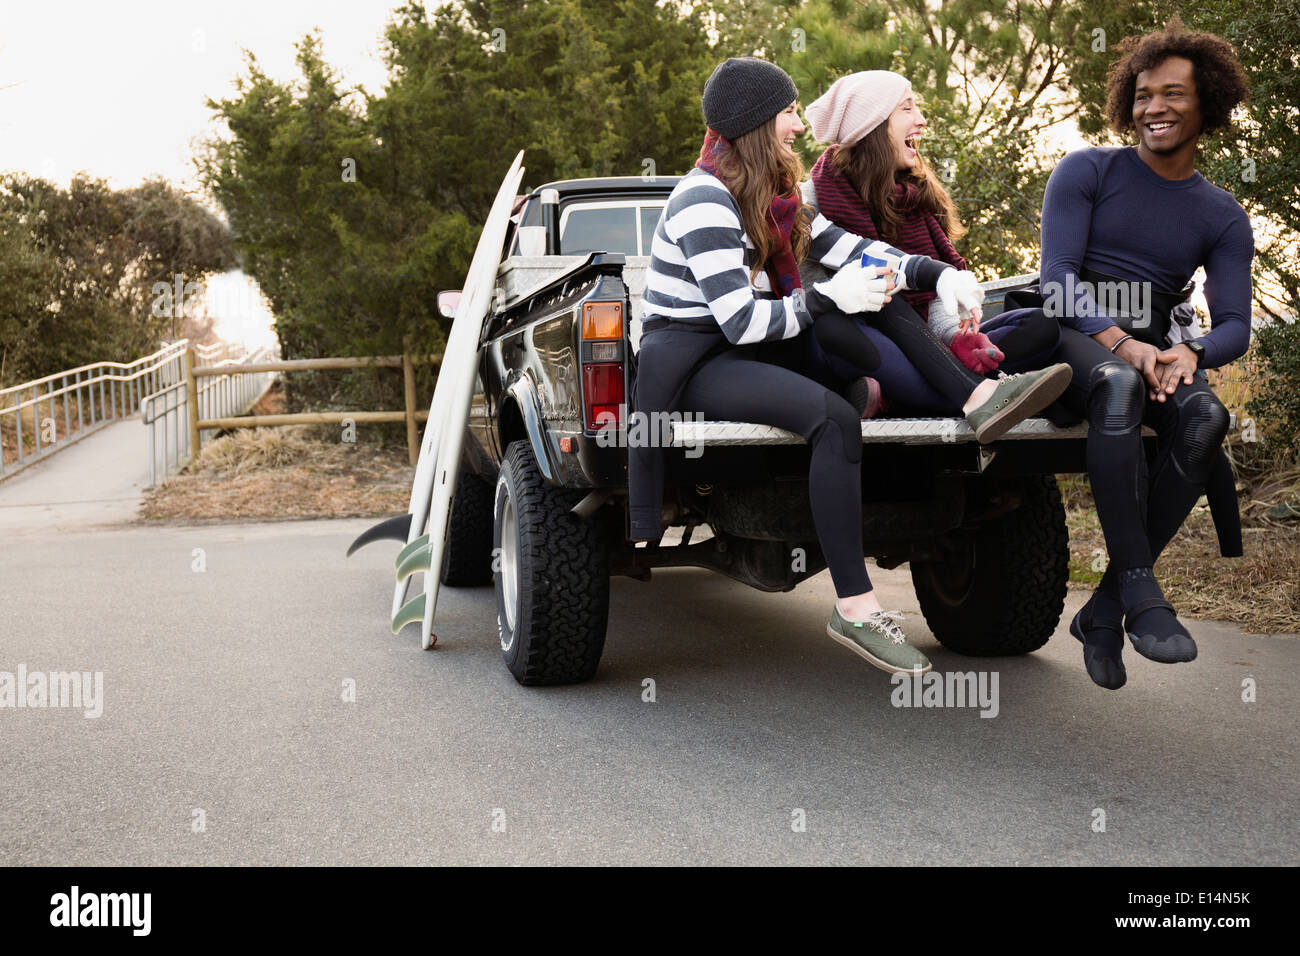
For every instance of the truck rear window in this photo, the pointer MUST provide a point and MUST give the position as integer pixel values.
(625, 227)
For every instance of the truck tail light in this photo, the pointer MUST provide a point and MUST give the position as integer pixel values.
(603, 372)
(602, 389)
(602, 320)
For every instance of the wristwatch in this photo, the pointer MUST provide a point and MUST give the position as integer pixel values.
(1198, 350)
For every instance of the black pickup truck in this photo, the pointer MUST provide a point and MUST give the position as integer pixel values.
(542, 500)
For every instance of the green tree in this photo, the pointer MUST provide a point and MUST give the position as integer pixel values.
(1259, 161)
(84, 262)
(26, 274)
(994, 78)
(351, 208)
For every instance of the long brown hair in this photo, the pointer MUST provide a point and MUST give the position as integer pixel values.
(871, 166)
(756, 170)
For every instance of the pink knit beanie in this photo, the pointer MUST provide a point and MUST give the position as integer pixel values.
(855, 105)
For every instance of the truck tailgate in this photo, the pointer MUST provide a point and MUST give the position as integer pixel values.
(905, 431)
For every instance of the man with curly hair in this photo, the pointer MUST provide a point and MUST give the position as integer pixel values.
(1141, 218)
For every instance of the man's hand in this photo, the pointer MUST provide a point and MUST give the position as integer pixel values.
(1176, 363)
(1143, 358)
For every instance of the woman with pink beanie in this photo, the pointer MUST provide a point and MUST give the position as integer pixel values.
(875, 183)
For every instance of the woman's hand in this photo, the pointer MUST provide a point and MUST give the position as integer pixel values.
(977, 352)
(961, 295)
(855, 289)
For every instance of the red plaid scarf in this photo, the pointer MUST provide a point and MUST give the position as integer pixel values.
(920, 235)
(781, 267)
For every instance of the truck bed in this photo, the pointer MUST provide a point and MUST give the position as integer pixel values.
(519, 277)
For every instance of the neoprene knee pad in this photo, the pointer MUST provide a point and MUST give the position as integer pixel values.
(1115, 398)
(1202, 425)
(843, 418)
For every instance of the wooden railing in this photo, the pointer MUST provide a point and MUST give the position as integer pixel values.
(409, 414)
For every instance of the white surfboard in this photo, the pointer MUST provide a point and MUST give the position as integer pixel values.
(449, 410)
(482, 271)
(451, 436)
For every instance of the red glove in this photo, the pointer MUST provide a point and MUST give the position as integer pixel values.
(976, 351)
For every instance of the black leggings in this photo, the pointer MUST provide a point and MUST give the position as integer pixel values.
(842, 336)
(1140, 509)
(913, 365)
(735, 386)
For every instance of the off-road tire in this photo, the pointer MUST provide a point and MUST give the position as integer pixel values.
(1002, 588)
(467, 559)
(555, 631)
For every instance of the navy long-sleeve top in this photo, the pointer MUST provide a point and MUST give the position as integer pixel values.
(1107, 210)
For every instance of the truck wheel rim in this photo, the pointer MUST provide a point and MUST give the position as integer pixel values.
(509, 565)
(954, 577)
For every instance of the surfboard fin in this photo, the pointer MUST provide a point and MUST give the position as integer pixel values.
(390, 529)
(412, 612)
(416, 556)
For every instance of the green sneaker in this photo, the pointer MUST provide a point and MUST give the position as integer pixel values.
(880, 640)
(1016, 398)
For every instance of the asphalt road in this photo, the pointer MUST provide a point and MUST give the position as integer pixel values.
(223, 693)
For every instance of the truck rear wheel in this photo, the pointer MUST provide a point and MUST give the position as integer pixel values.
(552, 579)
(1000, 589)
(467, 559)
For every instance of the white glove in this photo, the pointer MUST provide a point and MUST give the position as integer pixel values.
(959, 291)
(855, 289)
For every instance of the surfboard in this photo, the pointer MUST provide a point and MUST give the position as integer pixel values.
(486, 259)
(438, 466)
(451, 436)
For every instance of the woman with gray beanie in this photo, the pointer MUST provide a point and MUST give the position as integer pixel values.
(723, 278)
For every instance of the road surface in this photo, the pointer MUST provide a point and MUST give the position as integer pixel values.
(225, 737)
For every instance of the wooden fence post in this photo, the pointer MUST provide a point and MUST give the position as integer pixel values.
(412, 433)
(192, 403)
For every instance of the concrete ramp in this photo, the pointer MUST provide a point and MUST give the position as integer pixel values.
(96, 481)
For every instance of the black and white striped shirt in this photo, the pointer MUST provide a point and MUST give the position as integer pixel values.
(701, 258)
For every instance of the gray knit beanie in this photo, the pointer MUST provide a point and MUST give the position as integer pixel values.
(745, 92)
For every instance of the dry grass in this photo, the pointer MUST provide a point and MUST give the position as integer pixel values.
(1259, 591)
(294, 472)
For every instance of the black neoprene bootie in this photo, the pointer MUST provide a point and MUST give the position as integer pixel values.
(1099, 628)
(1149, 619)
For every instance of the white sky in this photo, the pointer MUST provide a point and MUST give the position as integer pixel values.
(117, 88)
